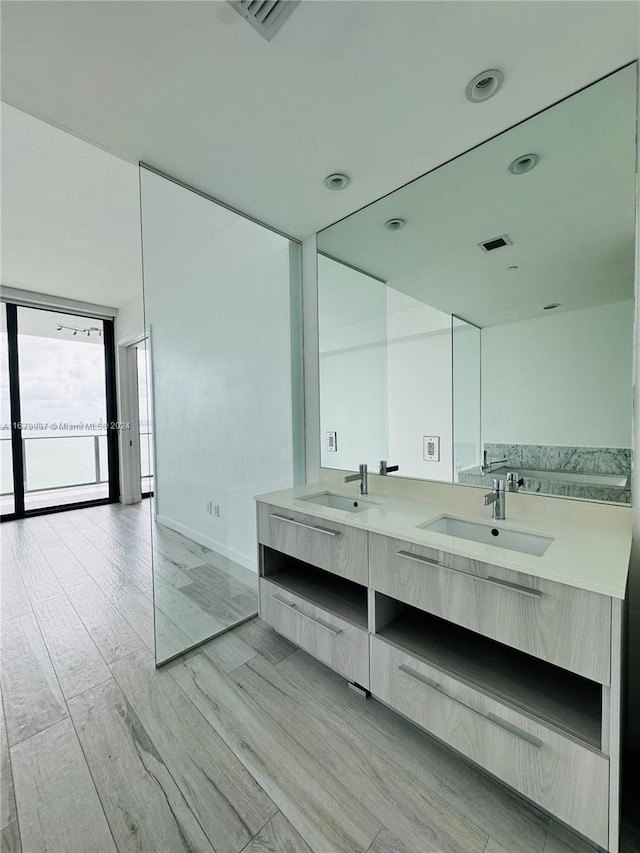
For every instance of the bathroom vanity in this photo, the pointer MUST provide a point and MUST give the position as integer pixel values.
(511, 657)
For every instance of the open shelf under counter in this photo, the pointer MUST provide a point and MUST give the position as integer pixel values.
(547, 693)
(344, 598)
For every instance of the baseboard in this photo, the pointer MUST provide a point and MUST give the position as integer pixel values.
(211, 544)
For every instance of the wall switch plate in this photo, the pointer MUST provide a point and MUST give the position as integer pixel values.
(332, 442)
(431, 448)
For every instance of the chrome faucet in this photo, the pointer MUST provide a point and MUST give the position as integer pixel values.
(514, 482)
(487, 466)
(385, 468)
(363, 488)
(497, 498)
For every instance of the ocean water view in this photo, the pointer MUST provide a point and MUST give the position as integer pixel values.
(58, 459)
(55, 459)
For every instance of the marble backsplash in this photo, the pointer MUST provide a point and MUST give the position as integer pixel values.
(588, 460)
(570, 461)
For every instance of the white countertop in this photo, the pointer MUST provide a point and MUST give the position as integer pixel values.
(591, 547)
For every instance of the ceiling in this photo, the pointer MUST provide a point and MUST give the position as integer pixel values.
(571, 219)
(372, 89)
(70, 215)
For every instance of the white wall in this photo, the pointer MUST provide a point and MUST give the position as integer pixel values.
(418, 386)
(218, 309)
(130, 320)
(564, 379)
(353, 365)
(311, 358)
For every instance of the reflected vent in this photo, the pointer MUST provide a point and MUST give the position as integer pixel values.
(495, 243)
(265, 16)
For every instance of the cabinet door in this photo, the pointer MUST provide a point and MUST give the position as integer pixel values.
(567, 626)
(341, 645)
(564, 777)
(329, 545)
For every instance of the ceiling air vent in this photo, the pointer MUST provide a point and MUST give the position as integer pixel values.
(495, 243)
(265, 16)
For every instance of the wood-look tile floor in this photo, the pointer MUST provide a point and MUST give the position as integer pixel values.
(246, 744)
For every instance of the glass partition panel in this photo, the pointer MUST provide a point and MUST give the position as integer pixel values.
(220, 296)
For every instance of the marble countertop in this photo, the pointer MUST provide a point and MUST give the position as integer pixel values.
(591, 546)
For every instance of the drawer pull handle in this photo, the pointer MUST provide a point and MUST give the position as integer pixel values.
(525, 737)
(291, 606)
(513, 587)
(419, 558)
(304, 524)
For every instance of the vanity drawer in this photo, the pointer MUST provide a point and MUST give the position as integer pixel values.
(559, 774)
(340, 644)
(567, 626)
(329, 545)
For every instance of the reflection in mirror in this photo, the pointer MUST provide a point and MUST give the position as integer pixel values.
(352, 311)
(465, 350)
(221, 312)
(537, 378)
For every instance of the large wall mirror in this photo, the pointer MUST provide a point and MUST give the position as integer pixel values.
(479, 320)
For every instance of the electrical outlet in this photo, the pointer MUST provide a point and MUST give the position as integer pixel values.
(431, 448)
(209, 507)
(332, 442)
(216, 510)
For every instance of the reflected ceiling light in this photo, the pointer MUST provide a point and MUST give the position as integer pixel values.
(336, 181)
(524, 163)
(484, 85)
(396, 224)
(551, 306)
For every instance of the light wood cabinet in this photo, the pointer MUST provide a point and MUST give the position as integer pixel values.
(555, 771)
(340, 644)
(520, 674)
(567, 626)
(334, 547)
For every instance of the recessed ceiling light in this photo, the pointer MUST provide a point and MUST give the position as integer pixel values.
(522, 164)
(336, 181)
(551, 306)
(395, 224)
(484, 85)
(513, 268)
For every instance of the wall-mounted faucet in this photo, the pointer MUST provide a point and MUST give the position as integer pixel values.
(363, 488)
(386, 469)
(497, 498)
(514, 482)
(487, 466)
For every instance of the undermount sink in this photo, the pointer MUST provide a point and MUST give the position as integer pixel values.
(334, 501)
(486, 534)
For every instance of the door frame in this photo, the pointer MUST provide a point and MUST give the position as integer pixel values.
(130, 439)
